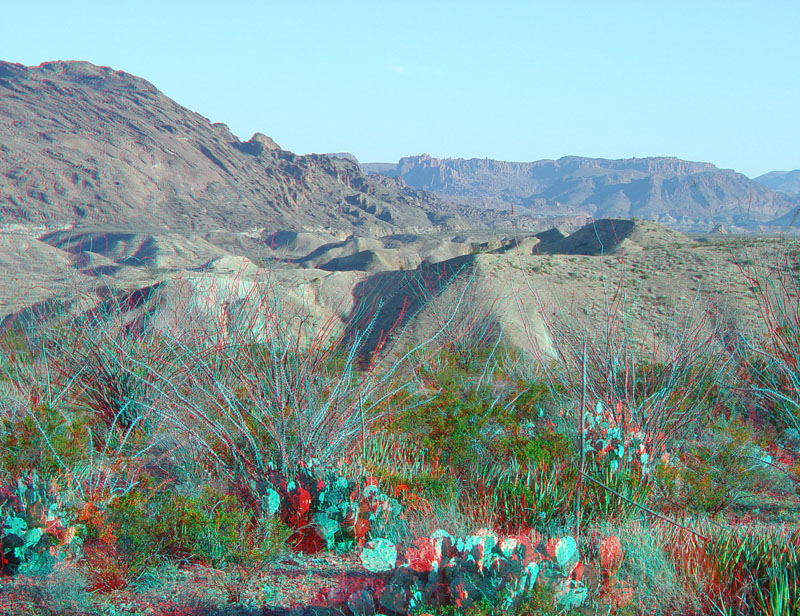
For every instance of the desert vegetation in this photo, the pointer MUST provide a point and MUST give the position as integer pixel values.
(211, 471)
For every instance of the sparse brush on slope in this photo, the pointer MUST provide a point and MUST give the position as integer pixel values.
(251, 404)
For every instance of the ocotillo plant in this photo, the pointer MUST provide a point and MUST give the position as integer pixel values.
(768, 360)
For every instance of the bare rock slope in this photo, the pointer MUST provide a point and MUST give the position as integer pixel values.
(84, 144)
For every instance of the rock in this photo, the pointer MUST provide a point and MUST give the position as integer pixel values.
(258, 144)
(791, 437)
(337, 596)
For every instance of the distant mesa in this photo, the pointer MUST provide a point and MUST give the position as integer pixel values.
(690, 196)
(387, 169)
(86, 145)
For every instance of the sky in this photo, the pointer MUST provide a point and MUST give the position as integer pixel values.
(713, 81)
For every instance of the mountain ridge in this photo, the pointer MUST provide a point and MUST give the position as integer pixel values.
(782, 181)
(692, 196)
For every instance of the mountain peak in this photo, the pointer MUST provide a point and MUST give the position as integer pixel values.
(783, 181)
(89, 145)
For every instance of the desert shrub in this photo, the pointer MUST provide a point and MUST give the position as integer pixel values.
(211, 527)
(628, 481)
(103, 369)
(426, 485)
(13, 338)
(250, 407)
(106, 571)
(544, 451)
(482, 607)
(726, 465)
(768, 386)
(649, 567)
(543, 499)
(453, 423)
(468, 422)
(618, 479)
(759, 569)
(656, 377)
(768, 363)
(531, 398)
(42, 439)
(451, 367)
(687, 387)
(465, 331)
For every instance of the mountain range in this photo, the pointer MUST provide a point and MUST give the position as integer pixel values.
(691, 196)
(87, 145)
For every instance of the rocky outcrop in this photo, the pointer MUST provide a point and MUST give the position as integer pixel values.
(258, 144)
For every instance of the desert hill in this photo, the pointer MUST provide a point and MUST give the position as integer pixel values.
(86, 145)
(411, 288)
(615, 236)
(689, 196)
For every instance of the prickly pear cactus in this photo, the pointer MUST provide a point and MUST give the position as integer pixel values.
(440, 571)
(326, 510)
(606, 439)
(34, 527)
(562, 572)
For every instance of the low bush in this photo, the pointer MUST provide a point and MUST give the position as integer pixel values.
(326, 510)
(465, 423)
(42, 439)
(212, 527)
(442, 570)
(723, 467)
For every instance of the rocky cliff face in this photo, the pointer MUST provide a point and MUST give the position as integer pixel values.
(688, 195)
(86, 145)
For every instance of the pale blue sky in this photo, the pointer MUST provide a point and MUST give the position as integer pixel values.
(709, 81)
